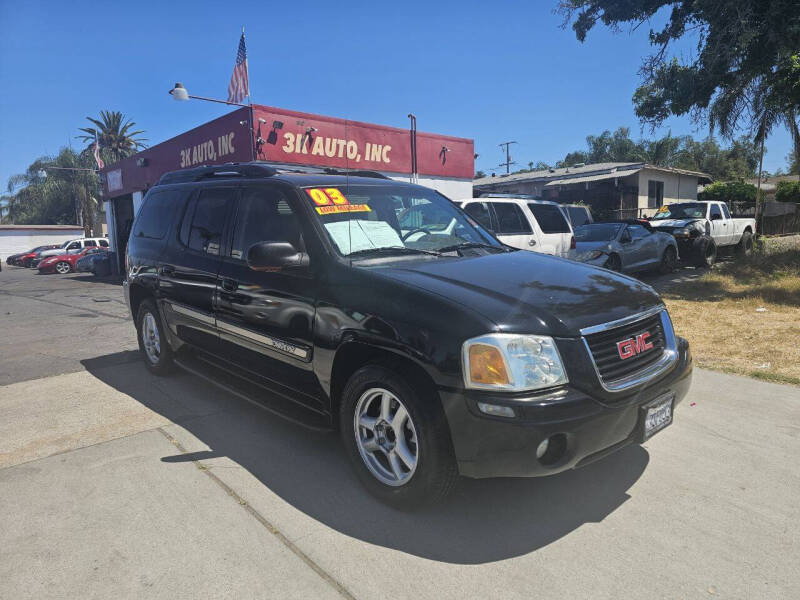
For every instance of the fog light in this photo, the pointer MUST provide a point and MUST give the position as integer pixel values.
(542, 448)
(496, 410)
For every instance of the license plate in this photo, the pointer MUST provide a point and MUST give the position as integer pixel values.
(657, 415)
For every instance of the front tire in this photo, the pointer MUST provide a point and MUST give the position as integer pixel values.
(705, 252)
(63, 267)
(669, 261)
(153, 343)
(397, 438)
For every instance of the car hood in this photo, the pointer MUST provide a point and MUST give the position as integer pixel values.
(672, 223)
(529, 292)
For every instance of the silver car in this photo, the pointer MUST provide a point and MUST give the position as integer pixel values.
(626, 246)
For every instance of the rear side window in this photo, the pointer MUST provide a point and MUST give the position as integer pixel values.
(715, 212)
(208, 220)
(578, 216)
(549, 218)
(510, 218)
(155, 215)
(725, 211)
(480, 212)
(103, 243)
(88, 243)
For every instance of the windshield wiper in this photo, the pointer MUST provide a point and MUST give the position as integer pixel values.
(465, 245)
(388, 250)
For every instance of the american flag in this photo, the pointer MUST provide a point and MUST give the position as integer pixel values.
(239, 87)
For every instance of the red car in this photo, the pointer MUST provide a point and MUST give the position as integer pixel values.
(63, 263)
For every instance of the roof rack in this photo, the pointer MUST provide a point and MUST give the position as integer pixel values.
(226, 170)
(515, 196)
(355, 173)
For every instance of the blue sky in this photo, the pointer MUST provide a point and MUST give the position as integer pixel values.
(492, 72)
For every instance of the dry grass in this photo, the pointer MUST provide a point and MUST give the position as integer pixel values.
(719, 315)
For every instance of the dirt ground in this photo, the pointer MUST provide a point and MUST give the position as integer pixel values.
(743, 316)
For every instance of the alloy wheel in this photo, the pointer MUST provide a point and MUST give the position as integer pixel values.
(150, 338)
(63, 268)
(386, 437)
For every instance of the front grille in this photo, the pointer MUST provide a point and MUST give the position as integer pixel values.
(603, 346)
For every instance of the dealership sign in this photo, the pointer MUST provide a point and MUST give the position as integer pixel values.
(287, 137)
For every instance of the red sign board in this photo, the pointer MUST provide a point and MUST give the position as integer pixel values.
(289, 137)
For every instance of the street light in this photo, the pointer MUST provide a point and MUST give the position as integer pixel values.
(180, 93)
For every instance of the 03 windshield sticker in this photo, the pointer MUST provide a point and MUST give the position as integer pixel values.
(330, 201)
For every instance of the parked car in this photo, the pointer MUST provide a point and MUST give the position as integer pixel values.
(625, 246)
(32, 261)
(702, 228)
(63, 263)
(22, 259)
(537, 225)
(85, 264)
(577, 214)
(434, 355)
(75, 245)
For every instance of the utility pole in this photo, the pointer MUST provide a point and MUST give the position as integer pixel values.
(508, 162)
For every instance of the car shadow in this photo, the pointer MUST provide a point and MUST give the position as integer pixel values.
(484, 521)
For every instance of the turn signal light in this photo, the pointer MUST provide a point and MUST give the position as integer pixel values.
(486, 365)
(572, 243)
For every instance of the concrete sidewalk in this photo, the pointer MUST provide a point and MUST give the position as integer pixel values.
(120, 483)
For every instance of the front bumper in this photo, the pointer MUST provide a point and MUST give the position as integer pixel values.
(587, 426)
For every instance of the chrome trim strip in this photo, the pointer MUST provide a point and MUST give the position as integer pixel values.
(663, 364)
(190, 312)
(265, 340)
(624, 321)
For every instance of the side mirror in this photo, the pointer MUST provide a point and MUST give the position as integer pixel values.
(274, 256)
(626, 238)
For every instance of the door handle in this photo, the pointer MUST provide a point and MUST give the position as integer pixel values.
(532, 243)
(229, 285)
(168, 270)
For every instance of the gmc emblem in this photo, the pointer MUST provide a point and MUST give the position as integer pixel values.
(633, 346)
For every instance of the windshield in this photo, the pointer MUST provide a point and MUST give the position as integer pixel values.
(597, 232)
(365, 219)
(686, 210)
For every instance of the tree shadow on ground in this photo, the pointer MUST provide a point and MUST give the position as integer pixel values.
(484, 521)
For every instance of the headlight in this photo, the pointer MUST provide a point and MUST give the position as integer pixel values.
(504, 361)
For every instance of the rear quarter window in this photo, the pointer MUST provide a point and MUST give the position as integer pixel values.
(156, 213)
(549, 218)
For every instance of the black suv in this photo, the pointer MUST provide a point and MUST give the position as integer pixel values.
(380, 308)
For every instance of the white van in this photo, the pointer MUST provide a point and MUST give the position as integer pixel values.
(536, 225)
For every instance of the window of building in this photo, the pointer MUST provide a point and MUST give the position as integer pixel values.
(264, 216)
(208, 221)
(510, 219)
(655, 194)
(550, 218)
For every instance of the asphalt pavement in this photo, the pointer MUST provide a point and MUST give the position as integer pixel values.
(117, 483)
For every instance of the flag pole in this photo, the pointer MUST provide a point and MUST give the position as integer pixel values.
(249, 98)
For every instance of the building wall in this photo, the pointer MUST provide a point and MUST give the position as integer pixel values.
(455, 189)
(677, 187)
(14, 241)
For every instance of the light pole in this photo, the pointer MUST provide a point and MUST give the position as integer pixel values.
(181, 94)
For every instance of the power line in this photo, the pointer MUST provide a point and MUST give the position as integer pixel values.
(508, 162)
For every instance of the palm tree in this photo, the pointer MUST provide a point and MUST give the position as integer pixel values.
(115, 135)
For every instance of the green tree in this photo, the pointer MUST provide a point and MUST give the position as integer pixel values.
(743, 74)
(479, 174)
(57, 190)
(116, 136)
(788, 191)
(729, 191)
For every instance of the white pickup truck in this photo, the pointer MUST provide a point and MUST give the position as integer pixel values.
(702, 228)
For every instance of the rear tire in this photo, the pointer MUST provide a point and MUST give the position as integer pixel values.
(669, 260)
(405, 459)
(153, 343)
(705, 252)
(745, 245)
